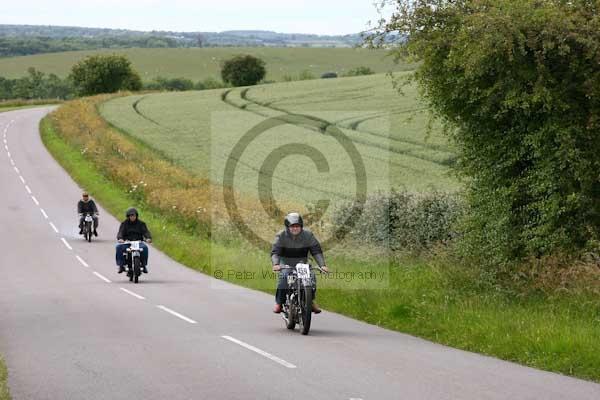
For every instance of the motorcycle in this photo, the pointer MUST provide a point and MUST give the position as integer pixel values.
(88, 228)
(297, 308)
(133, 260)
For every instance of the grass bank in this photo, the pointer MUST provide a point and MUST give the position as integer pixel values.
(434, 299)
(4, 394)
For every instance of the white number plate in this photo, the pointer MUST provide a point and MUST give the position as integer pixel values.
(135, 245)
(303, 271)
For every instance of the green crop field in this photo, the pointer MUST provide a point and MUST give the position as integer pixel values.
(201, 63)
(198, 130)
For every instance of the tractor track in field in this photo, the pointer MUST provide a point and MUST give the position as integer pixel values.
(322, 126)
(141, 114)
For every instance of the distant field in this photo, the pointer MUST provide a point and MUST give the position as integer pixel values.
(201, 63)
(198, 130)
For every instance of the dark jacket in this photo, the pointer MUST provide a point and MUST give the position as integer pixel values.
(84, 207)
(290, 250)
(133, 230)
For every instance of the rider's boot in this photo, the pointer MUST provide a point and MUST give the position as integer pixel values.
(277, 308)
(315, 308)
(144, 269)
(121, 269)
(95, 232)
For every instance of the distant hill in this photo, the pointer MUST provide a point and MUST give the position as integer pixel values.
(19, 40)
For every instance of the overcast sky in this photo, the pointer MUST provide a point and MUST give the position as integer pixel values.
(299, 16)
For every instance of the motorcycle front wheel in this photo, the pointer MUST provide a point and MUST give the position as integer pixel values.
(137, 270)
(306, 308)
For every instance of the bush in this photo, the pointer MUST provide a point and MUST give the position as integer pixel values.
(306, 75)
(404, 221)
(359, 71)
(209, 83)
(174, 84)
(329, 75)
(104, 74)
(243, 70)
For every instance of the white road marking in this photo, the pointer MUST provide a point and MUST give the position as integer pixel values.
(105, 279)
(44, 213)
(16, 170)
(183, 317)
(22, 179)
(133, 294)
(12, 162)
(54, 227)
(82, 261)
(261, 352)
(37, 203)
(68, 246)
(6, 147)
(28, 189)
(8, 152)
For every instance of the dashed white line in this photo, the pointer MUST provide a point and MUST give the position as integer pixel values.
(44, 213)
(105, 279)
(6, 147)
(53, 227)
(82, 261)
(28, 189)
(133, 294)
(261, 352)
(183, 317)
(11, 161)
(9, 156)
(16, 170)
(22, 179)
(67, 245)
(37, 203)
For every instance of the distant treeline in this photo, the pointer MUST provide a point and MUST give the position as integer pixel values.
(23, 46)
(38, 85)
(19, 40)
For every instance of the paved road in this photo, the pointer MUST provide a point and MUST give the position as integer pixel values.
(71, 328)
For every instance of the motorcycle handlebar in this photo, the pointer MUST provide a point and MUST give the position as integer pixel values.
(310, 266)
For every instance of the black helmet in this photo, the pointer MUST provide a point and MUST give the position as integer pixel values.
(131, 211)
(292, 219)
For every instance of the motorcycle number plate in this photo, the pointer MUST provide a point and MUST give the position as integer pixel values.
(135, 245)
(303, 271)
(88, 218)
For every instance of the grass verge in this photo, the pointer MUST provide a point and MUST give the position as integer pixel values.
(436, 300)
(4, 393)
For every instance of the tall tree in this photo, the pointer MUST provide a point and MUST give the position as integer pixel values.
(243, 70)
(104, 74)
(517, 82)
